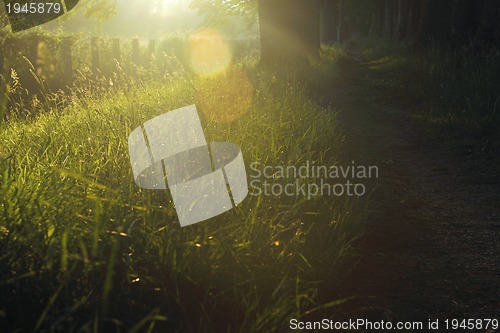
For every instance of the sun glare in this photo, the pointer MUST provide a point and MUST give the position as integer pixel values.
(225, 96)
(208, 52)
(163, 7)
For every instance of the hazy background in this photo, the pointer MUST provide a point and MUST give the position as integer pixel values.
(148, 19)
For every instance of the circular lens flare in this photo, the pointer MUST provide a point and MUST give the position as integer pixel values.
(226, 96)
(208, 52)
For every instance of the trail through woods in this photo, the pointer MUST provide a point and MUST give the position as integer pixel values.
(431, 247)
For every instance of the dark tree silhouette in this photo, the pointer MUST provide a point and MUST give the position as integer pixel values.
(289, 31)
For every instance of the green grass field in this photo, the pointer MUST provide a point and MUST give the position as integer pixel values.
(83, 249)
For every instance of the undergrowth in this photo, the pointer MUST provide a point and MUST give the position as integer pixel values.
(454, 92)
(83, 249)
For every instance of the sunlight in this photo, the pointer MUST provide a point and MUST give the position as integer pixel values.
(163, 7)
(208, 52)
(226, 96)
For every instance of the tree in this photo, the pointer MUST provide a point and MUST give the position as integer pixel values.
(414, 12)
(377, 17)
(388, 18)
(340, 25)
(328, 20)
(100, 9)
(216, 11)
(402, 18)
(289, 31)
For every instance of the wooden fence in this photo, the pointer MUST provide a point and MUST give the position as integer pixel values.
(58, 61)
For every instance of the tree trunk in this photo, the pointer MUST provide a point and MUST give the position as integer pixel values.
(329, 20)
(66, 59)
(395, 17)
(413, 18)
(288, 32)
(377, 19)
(402, 21)
(314, 43)
(339, 22)
(423, 18)
(388, 18)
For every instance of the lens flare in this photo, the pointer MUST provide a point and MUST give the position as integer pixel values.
(208, 53)
(226, 96)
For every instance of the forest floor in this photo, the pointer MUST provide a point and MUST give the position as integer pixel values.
(431, 247)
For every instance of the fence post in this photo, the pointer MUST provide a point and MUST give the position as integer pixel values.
(135, 51)
(94, 50)
(66, 60)
(151, 53)
(116, 49)
(135, 57)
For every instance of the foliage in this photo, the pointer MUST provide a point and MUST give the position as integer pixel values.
(99, 9)
(461, 90)
(226, 7)
(454, 90)
(218, 11)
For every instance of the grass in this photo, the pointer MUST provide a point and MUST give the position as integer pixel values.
(83, 249)
(461, 91)
(455, 92)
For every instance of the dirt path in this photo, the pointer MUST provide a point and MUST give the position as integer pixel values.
(432, 243)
